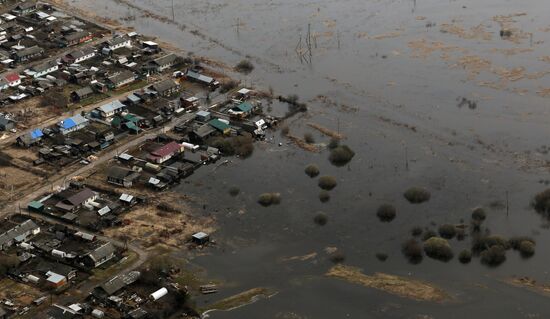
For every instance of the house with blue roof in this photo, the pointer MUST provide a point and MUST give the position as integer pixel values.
(73, 124)
(30, 138)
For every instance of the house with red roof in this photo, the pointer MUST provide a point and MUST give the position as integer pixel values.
(164, 153)
(8, 80)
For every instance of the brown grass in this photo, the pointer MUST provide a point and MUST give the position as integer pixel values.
(326, 131)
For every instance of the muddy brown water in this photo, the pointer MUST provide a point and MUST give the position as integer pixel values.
(394, 108)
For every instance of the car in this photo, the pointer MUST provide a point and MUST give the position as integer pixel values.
(84, 162)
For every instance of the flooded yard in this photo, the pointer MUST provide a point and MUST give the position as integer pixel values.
(448, 96)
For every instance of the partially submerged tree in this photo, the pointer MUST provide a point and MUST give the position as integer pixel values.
(320, 219)
(244, 66)
(438, 248)
(493, 256)
(327, 182)
(341, 155)
(447, 231)
(417, 195)
(465, 256)
(412, 250)
(312, 170)
(386, 212)
(324, 196)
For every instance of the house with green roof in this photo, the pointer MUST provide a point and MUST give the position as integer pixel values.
(220, 126)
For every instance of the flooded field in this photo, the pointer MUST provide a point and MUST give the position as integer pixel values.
(451, 96)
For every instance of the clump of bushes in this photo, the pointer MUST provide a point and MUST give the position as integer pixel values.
(245, 66)
(416, 231)
(480, 243)
(465, 256)
(234, 191)
(327, 182)
(268, 199)
(526, 248)
(308, 137)
(312, 170)
(493, 256)
(337, 257)
(438, 248)
(324, 196)
(478, 214)
(412, 250)
(386, 212)
(320, 219)
(341, 155)
(417, 195)
(228, 86)
(447, 231)
(516, 241)
(428, 234)
(242, 145)
(381, 256)
(541, 202)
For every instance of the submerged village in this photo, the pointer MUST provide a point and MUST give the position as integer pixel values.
(96, 126)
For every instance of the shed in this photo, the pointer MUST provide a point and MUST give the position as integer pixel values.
(35, 206)
(200, 238)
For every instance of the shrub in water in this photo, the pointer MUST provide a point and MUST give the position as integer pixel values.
(526, 249)
(479, 214)
(541, 202)
(412, 250)
(244, 66)
(493, 256)
(308, 137)
(267, 199)
(447, 231)
(320, 219)
(327, 182)
(386, 212)
(234, 191)
(465, 256)
(438, 248)
(460, 233)
(428, 234)
(337, 257)
(333, 143)
(516, 241)
(341, 155)
(416, 231)
(417, 195)
(312, 170)
(381, 256)
(324, 196)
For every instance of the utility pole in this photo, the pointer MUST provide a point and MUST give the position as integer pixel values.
(406, 159)
(173, 13)
(507, 205)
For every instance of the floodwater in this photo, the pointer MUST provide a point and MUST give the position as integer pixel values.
(394, 74)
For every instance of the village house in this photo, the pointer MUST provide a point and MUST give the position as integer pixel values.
(6, 124)
(71, 202)
(27, 54)
(100, 255)
(220, 126)
(165, 88)
(45, 68)
(242, 110)
(164, 62)
(73, 124)
(201, 79)
(24, 8)
(116, 284)
(116, 43)
(30, 138)
(81, 94)
(80, 55)
(190, 103)
(18, 234)
(75, 38)
(111, 109)
(165, 152)
(121, 176)
(123, 78)
(9, 80)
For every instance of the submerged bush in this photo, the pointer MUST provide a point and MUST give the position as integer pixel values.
(526, 249)
(541, 202)
(460, 233)
(386, 212)
(341, 155)
(447, 231)
(417, 195)
(516, 241)
(234, 191)
(312, 170)
(334, 142)
(493, 256)
(428, 234)
(327, 182)
(285, 130)
(337, 257)
(320, 219)
(381, 256)
(438, 248)
(267, 199)
(479, 214)
(308, 137)
(244, 66)
(412, 250)
(465, 256)
(324, 196)
(416, 231)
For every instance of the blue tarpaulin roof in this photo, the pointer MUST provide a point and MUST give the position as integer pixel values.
(68, 123)
(37, 133)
